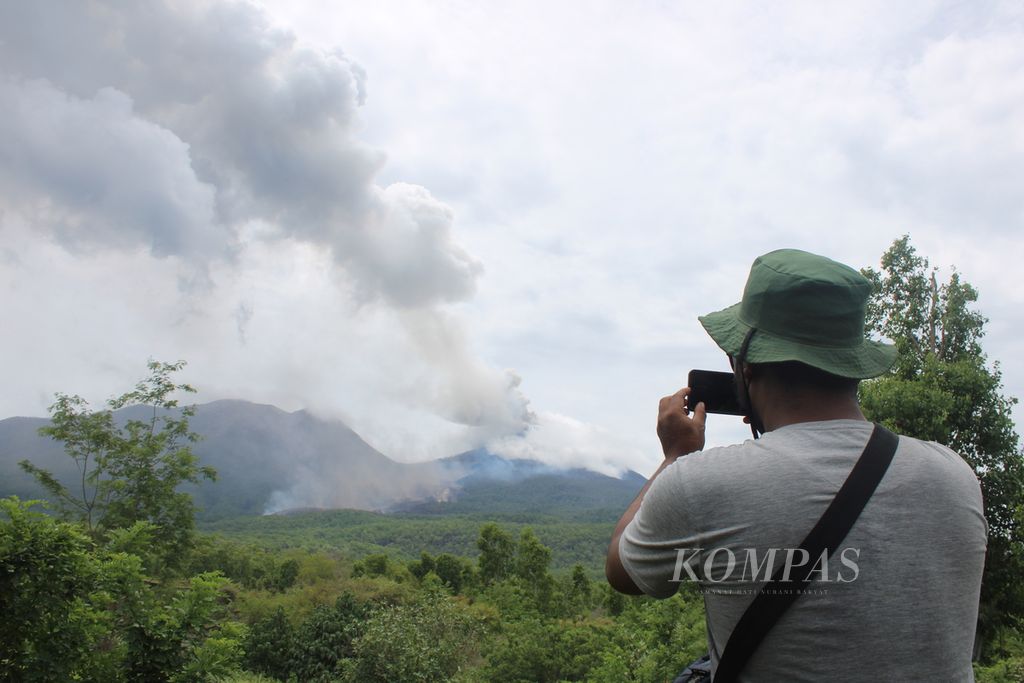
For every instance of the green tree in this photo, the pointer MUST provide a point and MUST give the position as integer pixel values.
(497, 553)
(532, 557)
(536, 651)
(423, 566)
(131, 473)
(75, 611)
(186, 639)
(654, 639)
(324, 643)
(284, 575)
(943, 389)
(580, 589)
(372, 565)
(454, 571)
(613, 600)
(47, 582)
(430, 639)
(269, 646)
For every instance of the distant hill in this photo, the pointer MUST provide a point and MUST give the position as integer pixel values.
(271, 460)
(528, 489)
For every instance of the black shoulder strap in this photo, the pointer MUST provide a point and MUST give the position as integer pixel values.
(776, 596)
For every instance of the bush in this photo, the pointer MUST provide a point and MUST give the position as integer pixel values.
(430, 639)
(269, 646)
(73, 611)
(53, 625)
(326, 639)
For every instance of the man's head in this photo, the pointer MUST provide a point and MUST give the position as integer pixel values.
(800, 324)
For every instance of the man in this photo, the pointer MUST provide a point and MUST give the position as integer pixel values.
(899, 599)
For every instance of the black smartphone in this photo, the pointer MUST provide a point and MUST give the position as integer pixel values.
(716, 389)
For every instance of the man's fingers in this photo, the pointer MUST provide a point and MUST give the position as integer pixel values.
(677, 399)
(700, 415)
(680, 427)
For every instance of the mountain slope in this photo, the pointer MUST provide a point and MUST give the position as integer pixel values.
(510, 489)
(271, 460)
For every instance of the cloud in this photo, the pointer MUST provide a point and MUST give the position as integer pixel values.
(563, 441)
(200, 136)
(954, 153)
(176, 124)
(615, 169)
(679, 141)
(408, 253)
(98, 175)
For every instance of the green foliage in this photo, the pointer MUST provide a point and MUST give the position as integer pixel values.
(497, 553)
(532, 561)
(942, 389)
(613, 600)
(109, 623)
(1003, 671)
(219, 654)
(579, 590)
(185, 639)
(326, 639)
(546, 650)
(1006, 663)
(577, 497)
(909, 407)
(88, 437)
(423, 566)
(75, 611)
(372, 565)
(921, 317)
(269, 646)
(430, 639)
(248, 566)
(454, 572)
(532, 557)
(48, 582)
(358, 533)
(244, 677)
(650, 641)
(129, 474)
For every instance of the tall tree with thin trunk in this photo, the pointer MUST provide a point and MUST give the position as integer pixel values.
(129, 474)
(944, 389)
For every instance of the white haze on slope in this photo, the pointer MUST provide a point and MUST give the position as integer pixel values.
(185, 180)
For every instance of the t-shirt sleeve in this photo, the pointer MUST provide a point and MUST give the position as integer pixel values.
(663, 527)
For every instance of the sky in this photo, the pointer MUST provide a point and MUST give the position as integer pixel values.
(466, 224)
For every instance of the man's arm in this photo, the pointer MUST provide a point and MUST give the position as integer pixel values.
(680, 434)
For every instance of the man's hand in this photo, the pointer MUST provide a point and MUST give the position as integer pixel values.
(680, 432)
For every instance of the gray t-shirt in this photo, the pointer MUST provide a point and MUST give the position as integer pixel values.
(897, 601)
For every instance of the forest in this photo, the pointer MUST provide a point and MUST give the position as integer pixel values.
(112, 579)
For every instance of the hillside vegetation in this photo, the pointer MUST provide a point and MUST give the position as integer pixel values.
(354, 533)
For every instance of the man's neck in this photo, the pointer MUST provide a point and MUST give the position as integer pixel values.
(809, 408)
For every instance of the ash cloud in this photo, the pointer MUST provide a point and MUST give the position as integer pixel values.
(95, 174)
(196, 133)
(174, 125)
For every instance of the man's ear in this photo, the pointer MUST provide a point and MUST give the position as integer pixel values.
(745, 371)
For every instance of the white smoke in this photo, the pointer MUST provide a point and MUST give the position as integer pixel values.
(563, 441)
(177, 124)
(201, 137)
(93, 173)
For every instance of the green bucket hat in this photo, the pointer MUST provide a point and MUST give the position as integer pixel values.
(806, 308)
